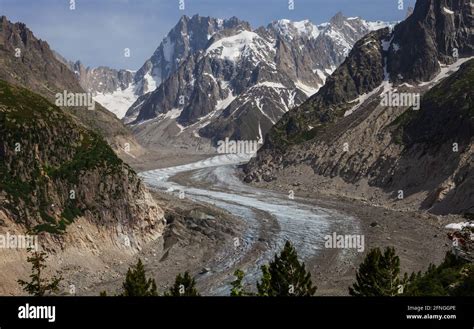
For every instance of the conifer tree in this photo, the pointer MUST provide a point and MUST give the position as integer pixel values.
(453, 277)
(136, 283)
(39, 286)
(466, 284)
(378, 275)
(184, 285)
(286, 276)
(237, 287)
(263, 287)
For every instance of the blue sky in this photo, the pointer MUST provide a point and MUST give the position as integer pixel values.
(98, 31)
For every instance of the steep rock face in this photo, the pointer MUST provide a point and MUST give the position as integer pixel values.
(26, 61)
(353, 144)
(117, 90)
(244, 80)
(113, 89)
(442, 136)
(29, 62)
(437, 31)
(409, 53)
(53, 172)
(102, 79)
(378, 152)
(360, 73)
(190, 35)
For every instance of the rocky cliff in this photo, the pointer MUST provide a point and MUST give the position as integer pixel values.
(346, 140)
(237, 82)
(55, 172)
(29, 62)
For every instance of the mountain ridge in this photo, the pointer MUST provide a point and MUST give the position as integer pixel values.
(55, 171)
(345, 137)
(30, 62)
(223, 82)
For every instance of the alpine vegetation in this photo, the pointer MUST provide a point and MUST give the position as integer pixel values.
(253, 155)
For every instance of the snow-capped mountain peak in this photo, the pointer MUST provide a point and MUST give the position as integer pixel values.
(290, 29)
(243, 44)
(222, 78)
(242, 80)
